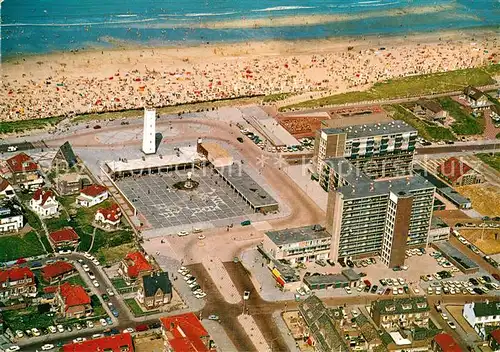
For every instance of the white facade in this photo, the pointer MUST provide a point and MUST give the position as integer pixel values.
(149, 131)
(45, 208)
(85, 200)
(480, 314)
(10, 222)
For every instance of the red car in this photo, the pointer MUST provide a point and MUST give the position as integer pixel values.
(387, 291)
(367, 283)
(142, 327)
(496, 276)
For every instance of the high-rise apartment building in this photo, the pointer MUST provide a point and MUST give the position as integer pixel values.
(379, 150)
(383, 217)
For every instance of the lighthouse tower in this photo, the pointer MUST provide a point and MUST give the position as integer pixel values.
(149, 131)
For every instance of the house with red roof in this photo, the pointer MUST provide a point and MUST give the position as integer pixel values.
(134, 266)
(57, 271)
(494, 340)
(458, 173)
(445, 343)
(92, 195)
(73, 300)
(23, 171)
(64, 238)
(115, 343)
(17, 281)
(185, 333)
(108, 218)
(6, 189)
(44, 203)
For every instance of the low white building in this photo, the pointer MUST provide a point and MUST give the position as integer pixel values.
(109, 217)
(11, 217)
(92, 195)
(44, 203)
(482, 314)
(299, 245)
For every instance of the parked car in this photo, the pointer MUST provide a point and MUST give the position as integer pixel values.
(141, 327)
(52, 329)
(213, 317)
(128, 330)
(246, 295)
(95, 283)
(155, 325)
(110, 292)
(60, 328)
(348, 290)
(115, 313)
(182, 233)
(452, 325)
(103, 322)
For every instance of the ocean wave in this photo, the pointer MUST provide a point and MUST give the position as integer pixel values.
(283, 8)
(74, 24)
(131, 15)
(209, 14)
(369, 2)
(378, 4)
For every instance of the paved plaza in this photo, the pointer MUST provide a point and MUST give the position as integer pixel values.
(155, 197)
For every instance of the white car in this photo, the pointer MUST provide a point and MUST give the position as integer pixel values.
(19, 334)
(52, 329)
(96, 262)
(452, 325)
(96, 336)
(96, 284)
(444, 316)
(182, 233)
(60, 328)
(110, 291)
(201, 237)
(103, 322)
(416, 290)
(47, 347)
(35, 332)
(90, 324)
(91, 275)
(12, 148)
(13, 348)
(200, 295)
(87, 255)
(64, 251)
(79, 339)
(246, 295)
(85, 268)
(348, 290)
(128, 330)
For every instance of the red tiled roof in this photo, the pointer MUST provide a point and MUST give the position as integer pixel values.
(67, 234)
(93, 190)
(3, 184)
(136, 263)
(186, 332)
(73, 295)
(453, 169)
(42, 195)
(447, 343)
(56, 269)
(22, 162)
(15, 274)
(112, 213)
(50, 289)
(113, 343)
(496, 335)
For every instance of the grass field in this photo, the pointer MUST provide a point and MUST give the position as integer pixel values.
(18, 246)
(465, 123)
(27, 318)
(113, 255)
(491, 159)
(28, 125)
(488, 241)
(426, 130)
(410, 86)
(484, 198)
(136, 308)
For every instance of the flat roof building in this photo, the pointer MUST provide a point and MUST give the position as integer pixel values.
(298, 245)
(379, 217)
(380, 150)
(255, 196)
(396, 313)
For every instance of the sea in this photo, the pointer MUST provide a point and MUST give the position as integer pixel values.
(45, 26)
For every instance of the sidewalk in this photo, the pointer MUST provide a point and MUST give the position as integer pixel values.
(253, 332)
(287, 336)
(218, 274)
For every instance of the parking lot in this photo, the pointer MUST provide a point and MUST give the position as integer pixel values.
(164, 206)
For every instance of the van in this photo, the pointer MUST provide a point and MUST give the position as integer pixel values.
(11, 148)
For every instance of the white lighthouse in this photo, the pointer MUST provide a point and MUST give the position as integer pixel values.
(149, 132)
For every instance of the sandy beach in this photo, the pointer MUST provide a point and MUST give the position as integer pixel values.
(124, 78)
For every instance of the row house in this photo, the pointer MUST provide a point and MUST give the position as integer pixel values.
(17, 282)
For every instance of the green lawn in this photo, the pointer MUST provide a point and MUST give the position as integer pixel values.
(119, 283)
(276, 97)
(76, 280)
(18, 246)
(410, 87)
(136, 308)
(26, 319)
(491, 159)
(425, 129)
(465, 123)
(99, 310)
(27, 125)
